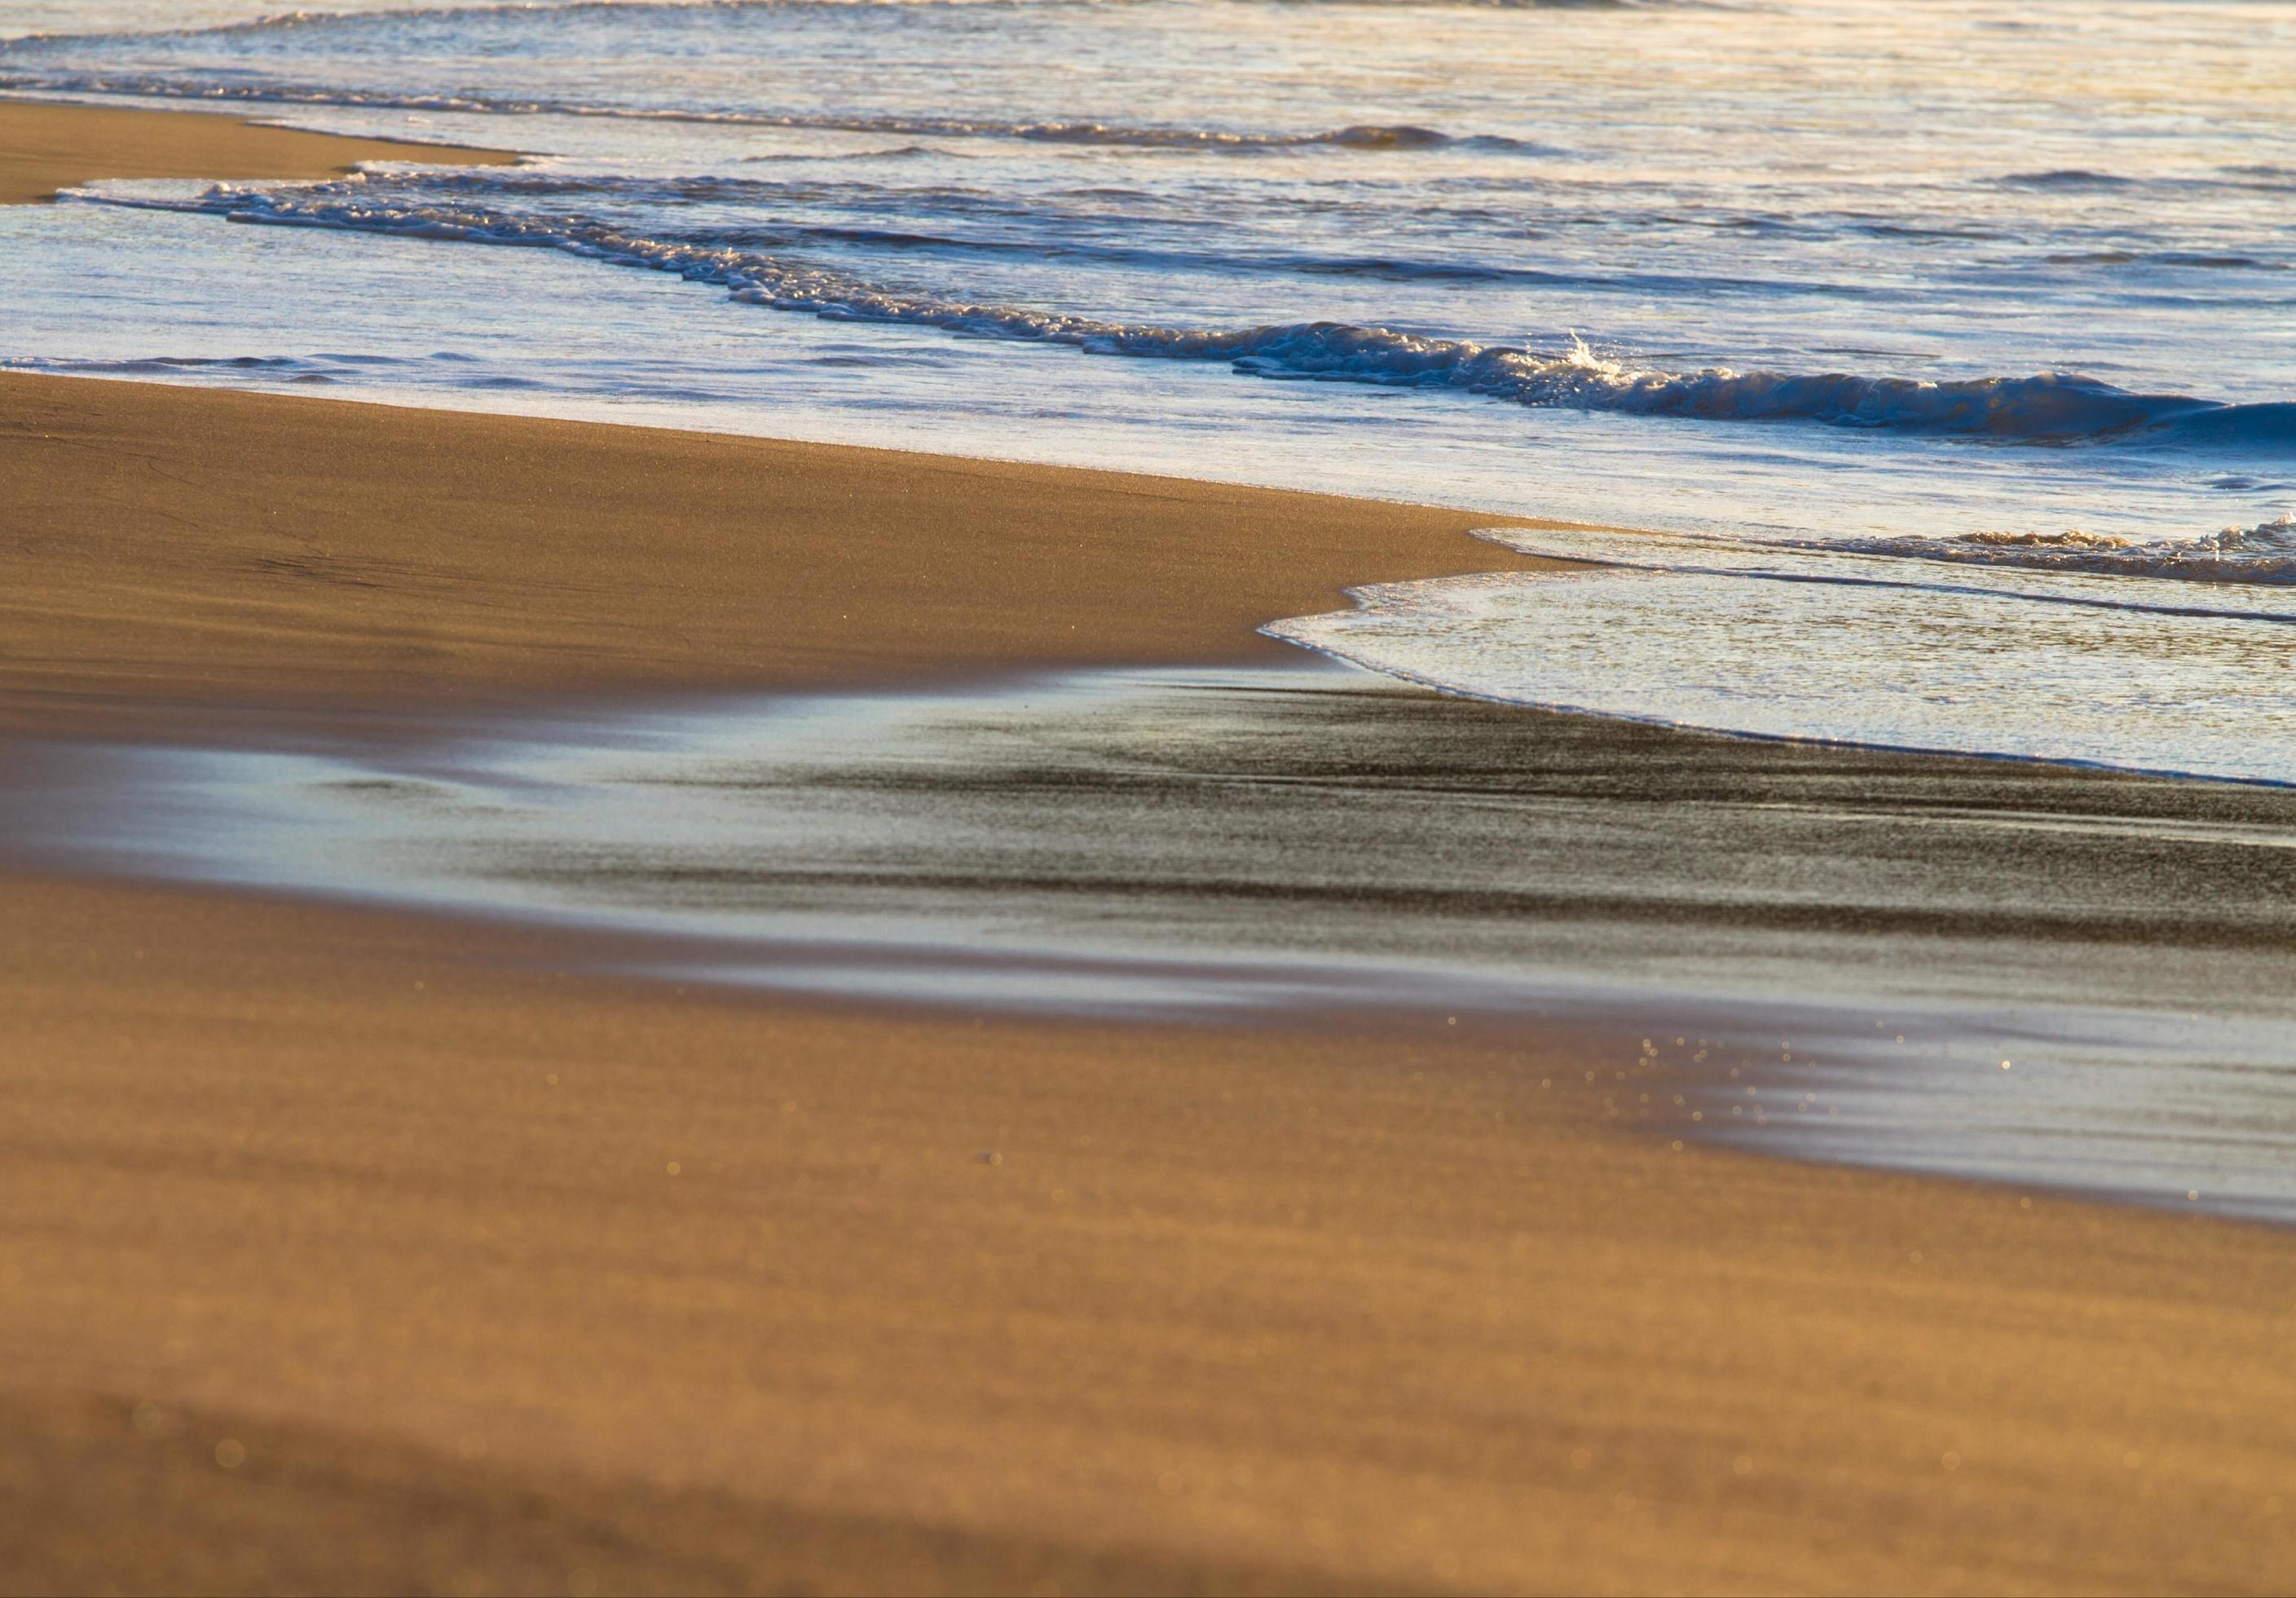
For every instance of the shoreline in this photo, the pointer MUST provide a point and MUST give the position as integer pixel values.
(1284, 842)
(47, 145)
(614, 559)
(356, 1247)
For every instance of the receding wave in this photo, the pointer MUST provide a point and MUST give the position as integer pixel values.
(2265, 553)
(2045, 408)
(1824, 643)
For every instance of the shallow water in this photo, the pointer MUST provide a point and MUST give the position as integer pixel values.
(1858, 940)
(1984, 655)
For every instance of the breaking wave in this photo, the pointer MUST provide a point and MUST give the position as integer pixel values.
(2047, 407)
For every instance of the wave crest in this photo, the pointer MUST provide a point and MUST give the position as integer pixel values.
(2055, 408)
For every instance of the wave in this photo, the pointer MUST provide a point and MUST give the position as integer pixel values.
(2265, 428)
(159, 362)
(2052, 407)
(2265, 553)
(2074, 179)
(2197, 260)
(1367, 136)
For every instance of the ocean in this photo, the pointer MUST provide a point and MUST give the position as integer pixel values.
(1953, 347)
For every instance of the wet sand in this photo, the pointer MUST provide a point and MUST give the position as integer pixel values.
(1860, 938)
(212, 549)
(45, 147)
(495, 1276)
(351, 1249)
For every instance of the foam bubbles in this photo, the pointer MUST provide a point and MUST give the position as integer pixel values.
(2137, 673)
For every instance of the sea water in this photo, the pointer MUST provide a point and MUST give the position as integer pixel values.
(1969, 289)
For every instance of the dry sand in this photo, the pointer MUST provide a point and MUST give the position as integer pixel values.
(341, 1250)
(47, 147)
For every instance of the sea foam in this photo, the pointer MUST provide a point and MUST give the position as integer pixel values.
(2129, 674)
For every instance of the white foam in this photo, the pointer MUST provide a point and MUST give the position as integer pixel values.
(2048, 406)
(2133, 673)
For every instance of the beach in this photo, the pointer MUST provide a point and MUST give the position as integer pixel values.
(956, 1304)
(44, 148)
(358, 1248)
(367, 554)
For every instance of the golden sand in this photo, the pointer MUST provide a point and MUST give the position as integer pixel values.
(495, 1274)
(246, 547)
(46, 147)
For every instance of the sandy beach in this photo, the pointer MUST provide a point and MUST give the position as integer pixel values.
(355, 554)
(367, 1251)
(46, 147)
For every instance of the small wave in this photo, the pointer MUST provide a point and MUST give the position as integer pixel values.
(160, 363)
(896, 152)
(2265, 553)
(2261, 175)
(2046, 408)
(1357, 137)
(2163, 258)
(2228, 263)
(1502, 144)
(2065, 178)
